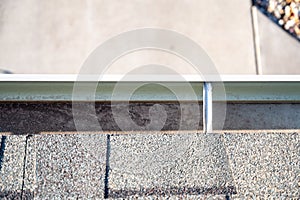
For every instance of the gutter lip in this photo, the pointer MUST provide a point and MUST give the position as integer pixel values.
(146, 78)
(238, 88)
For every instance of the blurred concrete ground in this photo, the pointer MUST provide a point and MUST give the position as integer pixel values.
(279, 52)
(57, 36)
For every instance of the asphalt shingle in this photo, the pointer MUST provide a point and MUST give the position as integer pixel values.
(262, 164)
(168, 165)
(265, 165)
(12, 165)
(70, 166)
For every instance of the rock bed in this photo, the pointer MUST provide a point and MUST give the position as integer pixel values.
(285, 13)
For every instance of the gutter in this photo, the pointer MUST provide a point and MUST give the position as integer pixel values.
(252, 101)
(238, 88)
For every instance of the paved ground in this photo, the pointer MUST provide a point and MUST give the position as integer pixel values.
(57, 37)
(279, 51)
(236, 165)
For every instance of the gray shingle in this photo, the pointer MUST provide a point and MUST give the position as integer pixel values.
(70, 166)
(168, 165)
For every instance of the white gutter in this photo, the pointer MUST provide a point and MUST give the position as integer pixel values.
(239, 88)
(147, 78)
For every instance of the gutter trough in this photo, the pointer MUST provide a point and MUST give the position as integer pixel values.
(253, 102)
(237, 88)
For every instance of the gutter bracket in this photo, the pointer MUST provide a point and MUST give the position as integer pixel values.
(207, 107)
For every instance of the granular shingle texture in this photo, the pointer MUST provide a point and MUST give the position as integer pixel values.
(12, 167)
(70, 166)
(168, 165)
(265, 165)
(243, 165)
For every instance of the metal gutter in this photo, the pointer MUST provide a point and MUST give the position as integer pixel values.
(62, 91)
(239, 88)
(38, 99)
(148, 78)
(207, 108)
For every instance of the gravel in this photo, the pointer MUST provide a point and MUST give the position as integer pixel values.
(285, 13)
